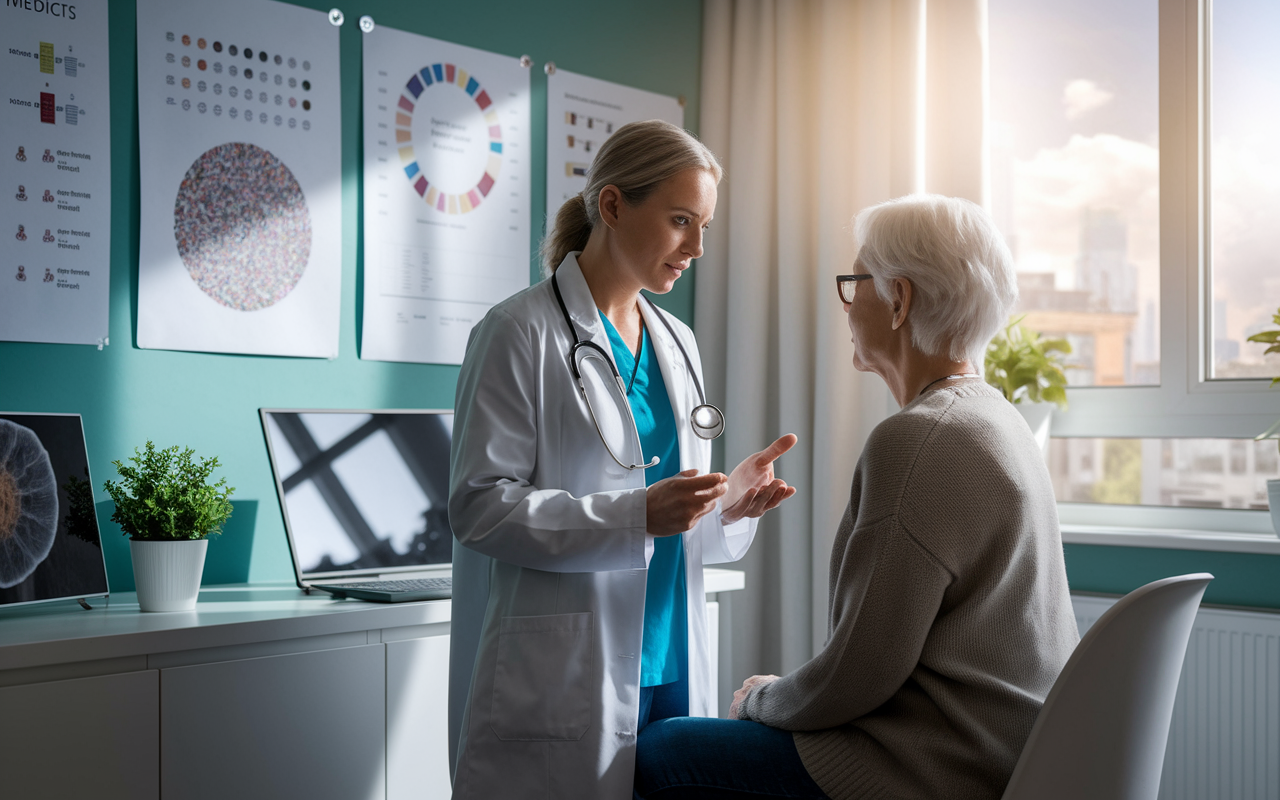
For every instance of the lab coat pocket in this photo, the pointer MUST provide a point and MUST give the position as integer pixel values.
(542, 684)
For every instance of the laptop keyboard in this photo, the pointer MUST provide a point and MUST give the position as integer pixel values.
(412, 585)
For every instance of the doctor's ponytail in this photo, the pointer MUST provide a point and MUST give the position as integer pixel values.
(636, 158)
(571, 231)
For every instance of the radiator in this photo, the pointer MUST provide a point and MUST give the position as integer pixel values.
(1224, 741)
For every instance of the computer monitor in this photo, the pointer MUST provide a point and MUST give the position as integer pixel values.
(50, 548)
(363, 493)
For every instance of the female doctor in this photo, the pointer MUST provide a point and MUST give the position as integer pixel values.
(579, 493)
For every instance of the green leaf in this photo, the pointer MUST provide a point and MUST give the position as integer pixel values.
(166, 495)
(1023, 366)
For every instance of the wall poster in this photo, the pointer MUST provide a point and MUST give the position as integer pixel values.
(239, 130)
(446, 192)
(581, 113)
(55, 173)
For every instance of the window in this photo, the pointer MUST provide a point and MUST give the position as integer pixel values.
(1177, 473)
(1149, 245)
(1075, 176)
(1244, 175)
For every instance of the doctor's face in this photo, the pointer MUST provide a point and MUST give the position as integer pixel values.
(657, 239)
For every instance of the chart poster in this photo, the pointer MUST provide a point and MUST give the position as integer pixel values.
(239, 135)
(446, 193)
(55, 173)
(581, 113)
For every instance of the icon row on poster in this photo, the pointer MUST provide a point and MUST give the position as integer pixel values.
(22, 275)
(187, 83)
(22, 234)
(234, 113)
(233, 50)
(234, 92)
(46, 158)
(21, 196)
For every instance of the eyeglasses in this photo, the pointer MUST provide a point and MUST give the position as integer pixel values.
(847, 286)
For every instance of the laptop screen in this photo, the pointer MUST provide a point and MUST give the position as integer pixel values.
(49, 544)
(362, 492)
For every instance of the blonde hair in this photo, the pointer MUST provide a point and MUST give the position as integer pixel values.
(636, 158)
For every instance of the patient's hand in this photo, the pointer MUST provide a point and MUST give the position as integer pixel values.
(747, 686)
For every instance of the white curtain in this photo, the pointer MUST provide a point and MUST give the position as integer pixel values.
(817, 108)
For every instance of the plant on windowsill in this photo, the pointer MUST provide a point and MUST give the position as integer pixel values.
(1272, 338)
(1026, 367)
(167, 507)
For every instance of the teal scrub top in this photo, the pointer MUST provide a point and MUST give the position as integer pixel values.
(665, 638)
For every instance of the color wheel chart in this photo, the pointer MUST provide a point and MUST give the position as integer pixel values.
(446, 187)
(239, 125)
(447, 75)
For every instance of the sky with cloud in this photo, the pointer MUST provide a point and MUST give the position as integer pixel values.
(1075, 121)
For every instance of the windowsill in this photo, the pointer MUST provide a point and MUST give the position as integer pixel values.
(1171, 538)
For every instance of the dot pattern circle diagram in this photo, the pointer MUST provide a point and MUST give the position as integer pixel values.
(242, 226)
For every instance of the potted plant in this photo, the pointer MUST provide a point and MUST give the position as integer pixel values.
(1272, 338)
(167, 507)
(1025, 367)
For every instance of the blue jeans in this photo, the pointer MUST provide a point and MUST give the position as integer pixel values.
(719, 759)
(662, 702)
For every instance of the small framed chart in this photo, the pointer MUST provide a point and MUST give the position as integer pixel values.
(446, 211)
(238, 113)
(582, 112)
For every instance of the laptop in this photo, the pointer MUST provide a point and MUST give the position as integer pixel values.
(49, 543)
(364, 495)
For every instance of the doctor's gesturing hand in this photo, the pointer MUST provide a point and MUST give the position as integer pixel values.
(752, 489)
(673, 505)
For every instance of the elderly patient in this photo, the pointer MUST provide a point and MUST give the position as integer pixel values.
(949, 617)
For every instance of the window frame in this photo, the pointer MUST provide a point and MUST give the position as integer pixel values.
(1186, 403)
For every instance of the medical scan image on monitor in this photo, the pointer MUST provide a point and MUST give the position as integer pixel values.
(363, 490)
(49, 544)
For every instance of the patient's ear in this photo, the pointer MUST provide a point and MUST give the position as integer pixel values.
(901, 301)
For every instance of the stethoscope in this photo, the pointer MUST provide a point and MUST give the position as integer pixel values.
(706, 420)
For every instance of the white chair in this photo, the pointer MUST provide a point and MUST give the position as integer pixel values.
(1102, 732)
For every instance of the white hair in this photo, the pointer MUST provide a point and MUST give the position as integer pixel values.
(960, 269)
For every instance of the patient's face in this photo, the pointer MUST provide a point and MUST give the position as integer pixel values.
(870, 325)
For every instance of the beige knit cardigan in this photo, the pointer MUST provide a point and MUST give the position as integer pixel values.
(949, 617)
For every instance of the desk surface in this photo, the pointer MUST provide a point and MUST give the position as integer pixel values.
(63, 632)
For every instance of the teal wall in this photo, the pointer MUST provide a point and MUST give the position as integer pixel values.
(210, 402)
(1240, 579)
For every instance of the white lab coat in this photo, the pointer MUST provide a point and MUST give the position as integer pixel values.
(551, 552)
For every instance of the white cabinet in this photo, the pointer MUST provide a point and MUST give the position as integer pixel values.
(301, 725)
(417, 719)
(261, 692)
(88, 737)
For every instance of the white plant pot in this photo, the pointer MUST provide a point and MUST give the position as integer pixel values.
(1038, 417)
(1273, 497)
(167, 574)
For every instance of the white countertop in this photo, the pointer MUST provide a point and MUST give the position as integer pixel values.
(62, 632)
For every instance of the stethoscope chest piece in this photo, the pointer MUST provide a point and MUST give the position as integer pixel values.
(707, 421)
